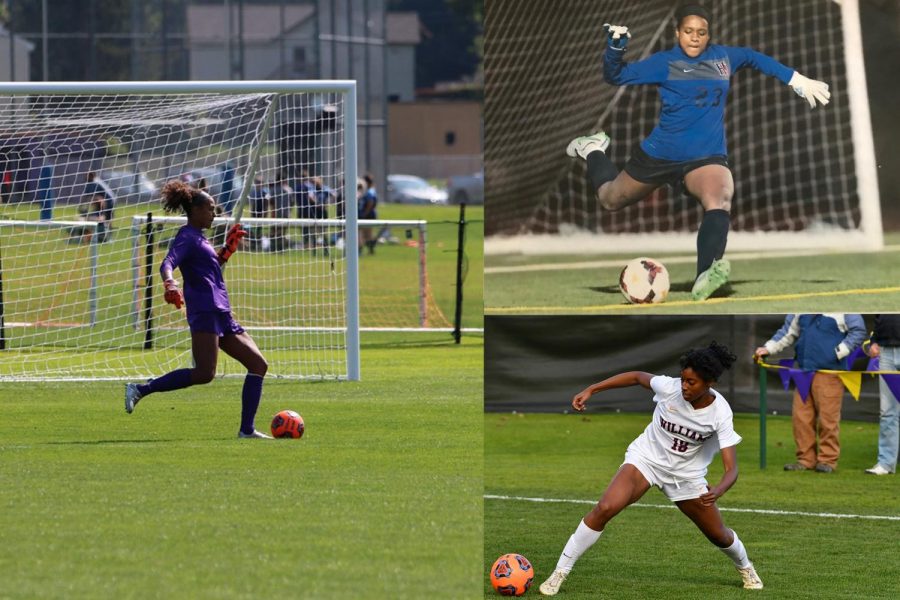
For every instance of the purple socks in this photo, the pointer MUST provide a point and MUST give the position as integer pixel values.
(250, 396)
(174, 380)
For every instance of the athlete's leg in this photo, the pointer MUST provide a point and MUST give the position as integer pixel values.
(626, 487)
(614, 189)
(205, 349)
(623, 191)
(242, 348)
(708, 519)
(713, 186)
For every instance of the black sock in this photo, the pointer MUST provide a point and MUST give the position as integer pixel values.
(712, 237)
(600, 169)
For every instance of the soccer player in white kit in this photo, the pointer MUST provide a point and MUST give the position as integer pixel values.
(690, 424)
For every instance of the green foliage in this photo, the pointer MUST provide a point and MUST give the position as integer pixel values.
(381, 498)
(650, 550)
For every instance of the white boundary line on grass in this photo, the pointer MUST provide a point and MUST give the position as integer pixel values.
(723, 509)
(680, 259)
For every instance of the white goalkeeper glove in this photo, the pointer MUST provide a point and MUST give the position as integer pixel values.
(617, 36)
(810, 89)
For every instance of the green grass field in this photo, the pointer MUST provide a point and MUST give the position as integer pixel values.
(651, 550)
(381, 498)
(846, 282)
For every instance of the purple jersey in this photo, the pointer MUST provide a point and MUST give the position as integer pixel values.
(204, 287)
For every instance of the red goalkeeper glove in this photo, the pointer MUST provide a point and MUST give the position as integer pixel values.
(232, 242)
(173, 294)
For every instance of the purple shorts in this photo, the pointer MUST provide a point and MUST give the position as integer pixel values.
(220, 323)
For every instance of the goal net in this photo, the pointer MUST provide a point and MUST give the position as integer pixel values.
(82, 233)
(802, 178)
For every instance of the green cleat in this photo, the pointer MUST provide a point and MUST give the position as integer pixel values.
(711, 279)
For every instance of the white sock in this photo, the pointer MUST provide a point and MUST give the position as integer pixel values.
(583, 538)
(737, 553)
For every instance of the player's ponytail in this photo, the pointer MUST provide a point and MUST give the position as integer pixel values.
(177, 196)
(709, 362)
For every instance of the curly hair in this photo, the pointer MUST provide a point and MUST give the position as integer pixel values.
(709, 362)
(177, 196)
(691, 9)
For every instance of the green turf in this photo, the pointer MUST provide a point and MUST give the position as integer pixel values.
(851, 282)
(380, 499)
(650, 552)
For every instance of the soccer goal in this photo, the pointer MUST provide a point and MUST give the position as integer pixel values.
(79, 265)
(803, 179)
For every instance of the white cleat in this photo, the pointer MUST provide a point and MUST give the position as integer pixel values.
(256, 434)
(551, 586)
(132, 397)
(584, 145)
(751, 579)
(878, 470)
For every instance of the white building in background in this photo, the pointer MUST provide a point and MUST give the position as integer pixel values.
(15, 57)
(281, 42)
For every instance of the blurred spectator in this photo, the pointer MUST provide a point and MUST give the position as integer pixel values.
(821, 341)
(885, 345)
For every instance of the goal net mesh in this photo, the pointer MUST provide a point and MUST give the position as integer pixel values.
(793, 167)
(80, 173)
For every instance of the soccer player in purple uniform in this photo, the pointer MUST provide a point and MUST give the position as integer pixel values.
(688, 143)
(208, 309)
(691, 423)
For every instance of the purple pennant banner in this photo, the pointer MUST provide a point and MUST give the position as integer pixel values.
(803, 381)
(785, 373)
(893, 382)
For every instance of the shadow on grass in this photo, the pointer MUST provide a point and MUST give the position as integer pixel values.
(102, 442)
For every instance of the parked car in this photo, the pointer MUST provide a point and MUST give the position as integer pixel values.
(409, 189)
(466, 188)
(130, 187)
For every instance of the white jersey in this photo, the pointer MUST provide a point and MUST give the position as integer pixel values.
(682, 440)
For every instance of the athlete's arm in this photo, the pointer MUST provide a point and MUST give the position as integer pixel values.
(729, 459)
(653, 69)
(616, 381)
(809, 89)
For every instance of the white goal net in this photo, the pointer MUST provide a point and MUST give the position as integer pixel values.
(82, 233)
(802, 178)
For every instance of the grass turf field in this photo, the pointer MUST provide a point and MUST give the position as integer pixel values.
(381, 498)
(847, 282)
(651, 550)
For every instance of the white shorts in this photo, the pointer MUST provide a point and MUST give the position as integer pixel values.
(674, 488)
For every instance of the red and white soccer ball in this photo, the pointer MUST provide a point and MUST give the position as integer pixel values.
(287, 424)
(644, 281)
(512, 575)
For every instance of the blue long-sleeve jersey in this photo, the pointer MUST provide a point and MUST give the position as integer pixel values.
(693, 93)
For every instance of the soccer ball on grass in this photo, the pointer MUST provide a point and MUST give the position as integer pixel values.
(644, 281)
(512, 575)
(287, 424)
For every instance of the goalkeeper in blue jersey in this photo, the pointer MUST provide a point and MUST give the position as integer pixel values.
(688, 142)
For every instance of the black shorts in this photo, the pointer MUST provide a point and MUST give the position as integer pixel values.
(646, 169)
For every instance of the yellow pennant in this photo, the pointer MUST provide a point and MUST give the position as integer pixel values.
(852, 381)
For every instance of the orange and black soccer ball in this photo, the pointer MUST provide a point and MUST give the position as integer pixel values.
(512, 575)
(287, 424)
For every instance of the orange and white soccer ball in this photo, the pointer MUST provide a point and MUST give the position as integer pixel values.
(512, 575)
(287, 424)
(644, 281)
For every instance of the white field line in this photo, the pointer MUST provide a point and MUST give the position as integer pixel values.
(759, 511)
(673, 260)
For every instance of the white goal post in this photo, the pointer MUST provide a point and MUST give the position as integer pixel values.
(79, 280)
(803, 178)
